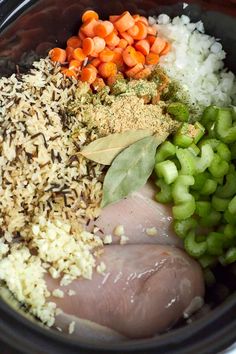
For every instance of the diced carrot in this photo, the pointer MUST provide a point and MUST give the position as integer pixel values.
(144, 20)
(69, 53)
(158, 46)
(142, 34)
(113, 18)
(91, 66)
(78, 54)
(133, 31)
(107, 69)
(58, 55)
(94, 54)
(74, 42)
(152, 58)
(88, 75)
(98, 84)
(112, 79)
(112, 39)
(143, 74)
(118, 50)
(95, 62)
(151, 39)
(136, 18)
(81, 35)
(166, 49)
(74, 65)
(99, 44)
(124, 22)
(68, 72)
(89, 15)
(103, 29)
(140, 57)
(106, 55)
(127, 37)
(143, 46)
(130, 56)
(123, 43)
(151, 30)
(88, 46)
(118, 60)
(88, 27)
(134, 70)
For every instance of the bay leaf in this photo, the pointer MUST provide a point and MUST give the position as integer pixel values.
(104, 150)
(130, 170)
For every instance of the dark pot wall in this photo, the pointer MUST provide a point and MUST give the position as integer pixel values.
(27, 34)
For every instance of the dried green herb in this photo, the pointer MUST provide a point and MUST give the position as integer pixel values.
(130, 170)
(104, 150)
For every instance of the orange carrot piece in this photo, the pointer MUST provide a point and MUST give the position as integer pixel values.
(127, 37)
(118, 60)
(81, 35)
(88, 46)
(143, 46)
(134, 70)
(140, 57)
(151, 39)
(144, 20)
(88, 75)
(113, 18)
(88, 27)
(118, 50)
(95, 62)
(107, 69)
(106, 55)
(94, 54)
(151, 30)
(74, 42)
(98, 84)
(123, 43)
(68, 72)
(158, 46)
(136, 18)
(143, 74)
(112, 79)
(69, 53)
(166, 49)
(152, 58)
(99, 44)
(130, 56)
(124, 22)
(58, 55)
(75, 65)
(103, 29)
(112, 39)
(142, 34)
(89, 15)
(91, 66)
(133, 31)
(78, 54)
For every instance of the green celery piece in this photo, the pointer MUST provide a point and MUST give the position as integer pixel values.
(166, 150)
(230, 256)
(166, 170)
(229, 217)
(220, 204)
(194, 248)
(194, 149)
(209, 115)
(224, 152)
(182, 227)
(200, 180)
(187, 161)
(179, 110)
(210, 220)
(206, 158)
(215, 241)
(180, 189)
(228, 190)
(199, 132)
(218, 167)
(203, 208)
(182, 137)
(184, 210)
(165, 194)
(233, 150)
(209, 187)
(224, 128)
(207, 260)
(232, 205)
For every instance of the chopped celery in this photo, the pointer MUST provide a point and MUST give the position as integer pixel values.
(200, 180)
(225, 129)
(224, 152)
(194, 149)
(228, 190)
(166, 170)
(199, 132)
(210, 220)
(165, 195)
(215, 242)
(220, 204)
(187, 161)
(218, 167)
(203, 208)
(230, 256)
(232, 205)
(229, 236)
(166, 150)
(206, 158)
(233, 151)
(184, 210)
(207, 260)
(183, 227)
(229, 217)
(194, 248)
(209, 114)
(180, 189)
(179, 111)
(209, 187)
(182, 138)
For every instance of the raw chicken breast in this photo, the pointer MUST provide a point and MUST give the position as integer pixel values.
(143, 291)
(138, 213)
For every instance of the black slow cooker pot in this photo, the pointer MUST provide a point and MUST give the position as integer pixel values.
(28, 28)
